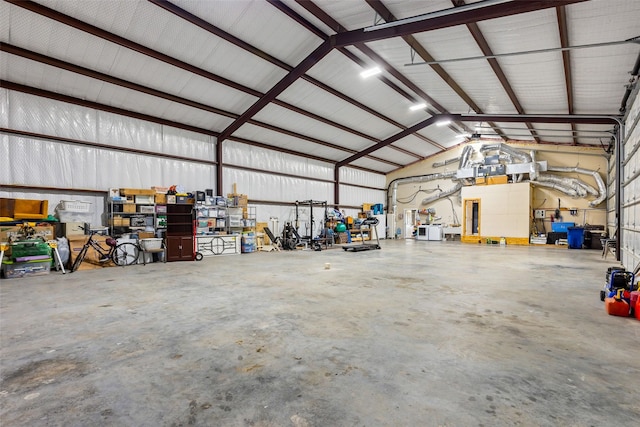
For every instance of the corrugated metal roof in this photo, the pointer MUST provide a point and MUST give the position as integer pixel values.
(257, 70)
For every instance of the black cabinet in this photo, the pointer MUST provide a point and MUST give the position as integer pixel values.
(179, 248)
(180, 232)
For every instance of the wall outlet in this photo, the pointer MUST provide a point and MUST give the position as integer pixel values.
(539, 213)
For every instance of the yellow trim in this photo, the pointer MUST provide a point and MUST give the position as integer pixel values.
(520, 241)
(470, 239)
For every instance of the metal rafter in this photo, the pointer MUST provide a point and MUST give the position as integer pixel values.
(299, 70)
(424, 54)
(121, 41)
(201, 23)
(507, 118)
(306, 24)
(566, 61)
(14, 50)
(446, 18)
(97, 106)
(495, 66)
(329, 21)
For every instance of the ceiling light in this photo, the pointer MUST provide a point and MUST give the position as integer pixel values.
(417, 107)
(370, 72)
(443, 123)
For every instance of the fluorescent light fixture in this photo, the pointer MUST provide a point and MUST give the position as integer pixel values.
(443, 123)
(417, 107)
(370, 72)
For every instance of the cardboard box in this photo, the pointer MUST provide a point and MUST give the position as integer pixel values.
(129, 208)
(118, 221)
(146, 235)
(160, 190)
(92, 259)
(10, 232)
(161, 199)
(146, 209)
(137, 192)
(171, 199)
(73, 228)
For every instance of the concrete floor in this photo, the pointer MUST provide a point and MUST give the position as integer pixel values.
(415, 334)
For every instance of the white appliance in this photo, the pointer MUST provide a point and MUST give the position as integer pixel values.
(422, 232)
(434, 232)
(429, 232)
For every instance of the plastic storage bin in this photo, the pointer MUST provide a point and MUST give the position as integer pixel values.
(30, 248)
(14, 270)
(561, 227)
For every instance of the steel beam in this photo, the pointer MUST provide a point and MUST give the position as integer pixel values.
(463, 15)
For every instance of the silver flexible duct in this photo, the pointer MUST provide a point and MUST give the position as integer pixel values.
(423, 178)
(556, 186)
(575, 184)
(442, 194)
(464, 157)
(504, 148)
(601, 193)
(534, 172)
(445, 163)
(512, 154)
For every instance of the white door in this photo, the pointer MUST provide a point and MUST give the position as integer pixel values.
(409, 223)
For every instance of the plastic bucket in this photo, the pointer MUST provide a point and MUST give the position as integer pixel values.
(575, 237)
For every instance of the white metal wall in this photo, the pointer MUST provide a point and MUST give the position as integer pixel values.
(43, 162)
(630, 195)
(65, 165)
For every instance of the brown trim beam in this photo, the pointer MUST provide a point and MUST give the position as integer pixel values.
(444, 19)
(201, 23)
(304, 66)
(90, 104)
(26, 134)
(566, 61)
(511, 118)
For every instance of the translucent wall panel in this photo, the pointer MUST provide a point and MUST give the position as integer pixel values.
(235, 153)
(4, 108)
(47, 163)
(36, 162)
(630, 195)
(266, 186)
(352, 195)
(49, 117)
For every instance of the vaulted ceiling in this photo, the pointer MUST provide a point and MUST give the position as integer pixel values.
(287, 74)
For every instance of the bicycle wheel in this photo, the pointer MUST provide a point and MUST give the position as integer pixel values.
(125, 254)
(79, 259)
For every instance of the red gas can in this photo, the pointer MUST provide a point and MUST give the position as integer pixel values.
(616, 307)
(638, 309)
(634, 298)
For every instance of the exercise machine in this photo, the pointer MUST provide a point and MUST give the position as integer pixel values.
(372, 223)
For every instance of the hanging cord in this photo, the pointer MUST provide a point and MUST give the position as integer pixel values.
(455, 216)
(412, 197)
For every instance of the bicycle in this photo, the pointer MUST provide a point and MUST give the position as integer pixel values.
(122, 254)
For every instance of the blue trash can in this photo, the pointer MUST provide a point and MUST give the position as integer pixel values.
(575, 237)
